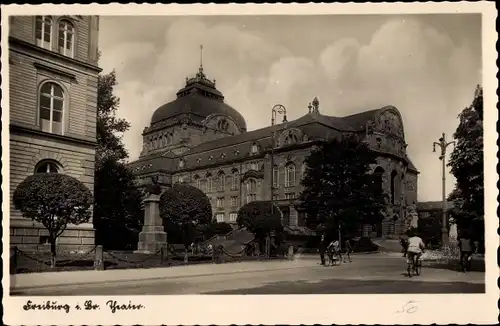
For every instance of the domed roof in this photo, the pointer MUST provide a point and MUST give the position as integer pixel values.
(199, 97)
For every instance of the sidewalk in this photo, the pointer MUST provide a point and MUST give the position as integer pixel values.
(51, 279)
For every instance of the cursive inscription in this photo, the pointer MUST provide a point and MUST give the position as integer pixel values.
(47, 305)
(408, 308)
(114, 306)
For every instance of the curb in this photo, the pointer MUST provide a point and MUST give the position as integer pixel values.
(21, 288)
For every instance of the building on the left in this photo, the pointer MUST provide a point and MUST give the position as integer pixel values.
(53, 72)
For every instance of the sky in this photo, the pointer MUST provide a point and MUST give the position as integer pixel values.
(427, 66)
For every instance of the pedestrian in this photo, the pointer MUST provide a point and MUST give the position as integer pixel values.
(322, 249)
(348, 249)
(403, 240)
(333, 249)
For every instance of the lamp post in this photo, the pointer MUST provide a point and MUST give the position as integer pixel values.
(443, 145)
(277, 109)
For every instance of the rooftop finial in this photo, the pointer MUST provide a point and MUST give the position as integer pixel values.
(315, 104)
(201, 59)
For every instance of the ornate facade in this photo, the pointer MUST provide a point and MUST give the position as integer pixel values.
(200, 140)
(53, 112)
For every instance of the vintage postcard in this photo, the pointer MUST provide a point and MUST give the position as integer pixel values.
(249, 164)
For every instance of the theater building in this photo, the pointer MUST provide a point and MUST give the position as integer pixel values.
(200, 140)
(53, 110)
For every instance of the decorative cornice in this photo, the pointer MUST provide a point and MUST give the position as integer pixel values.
(73, 139)
(41, 66)
(54, 54)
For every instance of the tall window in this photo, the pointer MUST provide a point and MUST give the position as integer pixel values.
(251, 190)
(252, 185)
(234, 201)
(290, 175)
(220, 217)
(290, 195)
(220, 202)
(222, 182)
(46, 167)
(233, 217)
(66, 38)
(235, 181)
(209, 183)
(51, 108)
(276, 173)
(43, 32)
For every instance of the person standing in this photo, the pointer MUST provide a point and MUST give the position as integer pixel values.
(348, 249)
(322, 249)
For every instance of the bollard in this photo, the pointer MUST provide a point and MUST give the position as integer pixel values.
(290, 253)
(13, 259)
(164, 253)
(98, 260)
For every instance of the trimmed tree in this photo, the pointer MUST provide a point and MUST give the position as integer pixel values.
(54, 200)
(260, 218)
(339, 188)
(189, 208)
(466, 162)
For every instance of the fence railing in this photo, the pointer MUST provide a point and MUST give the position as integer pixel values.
(98, 258)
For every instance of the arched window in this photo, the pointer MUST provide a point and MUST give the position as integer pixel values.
(46, 167)
(290, 175)
(209, 183)
(235, 180)
(43, 32)
(290, 139)
(66, 38)
(276, 173)
(222, 181)
(223, 125)
(51, 105)
(394, 174)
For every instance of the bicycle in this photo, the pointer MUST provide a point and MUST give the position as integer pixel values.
(414, 264)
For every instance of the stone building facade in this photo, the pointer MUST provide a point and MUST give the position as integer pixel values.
(200, 140)
(53, 110)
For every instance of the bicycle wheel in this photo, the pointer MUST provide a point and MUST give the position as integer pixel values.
(410, 269)
(418, 268)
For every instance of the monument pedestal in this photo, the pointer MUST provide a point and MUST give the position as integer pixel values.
(152, 237)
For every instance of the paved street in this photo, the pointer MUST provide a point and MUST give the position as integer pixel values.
(366, 274)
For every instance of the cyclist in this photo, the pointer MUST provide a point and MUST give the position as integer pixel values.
(416, 247)
(465, 245)
(333, 249)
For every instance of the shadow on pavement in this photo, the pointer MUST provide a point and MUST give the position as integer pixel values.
(454, 265)
(359, 287)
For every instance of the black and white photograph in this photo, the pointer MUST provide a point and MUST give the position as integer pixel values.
(198, 159)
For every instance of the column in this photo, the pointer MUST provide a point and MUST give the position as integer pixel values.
(153, 235)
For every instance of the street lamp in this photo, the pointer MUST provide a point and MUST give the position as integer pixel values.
(277, 109)
(443, 145)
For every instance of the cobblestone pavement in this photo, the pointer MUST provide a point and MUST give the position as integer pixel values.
(366, 274)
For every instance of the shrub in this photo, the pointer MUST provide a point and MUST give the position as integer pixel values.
(54, 200)
(260, 218)
(188, 208)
